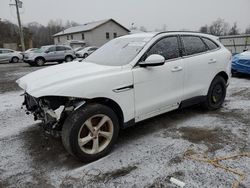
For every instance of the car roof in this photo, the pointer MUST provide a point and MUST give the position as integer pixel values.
(153, 34)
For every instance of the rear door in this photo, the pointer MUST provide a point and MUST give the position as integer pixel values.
(201, 66)
(60, 52)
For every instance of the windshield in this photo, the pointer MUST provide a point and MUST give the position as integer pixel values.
(118, 51)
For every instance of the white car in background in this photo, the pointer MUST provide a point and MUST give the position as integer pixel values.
(129, 79)
(8, 55)
(85, 52)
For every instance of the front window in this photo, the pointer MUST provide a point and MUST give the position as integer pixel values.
(119, 51)
(167, 47)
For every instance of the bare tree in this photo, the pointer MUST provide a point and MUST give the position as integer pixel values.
(204, 29)
(247, 30)
(219, 27)
(142, 28)
(234, 30)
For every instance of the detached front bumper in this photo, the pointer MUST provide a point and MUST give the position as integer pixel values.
(40, 109)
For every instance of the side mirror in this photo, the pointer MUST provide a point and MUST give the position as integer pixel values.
(153, 60)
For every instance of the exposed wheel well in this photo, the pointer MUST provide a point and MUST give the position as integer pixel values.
(40, 57)
(113, 105)
(223, 75)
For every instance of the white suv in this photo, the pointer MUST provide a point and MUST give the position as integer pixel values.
(127, 80)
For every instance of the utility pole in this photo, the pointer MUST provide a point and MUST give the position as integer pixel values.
(20, 25)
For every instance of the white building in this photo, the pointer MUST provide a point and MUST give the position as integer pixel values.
(91, 34)
(236, 43)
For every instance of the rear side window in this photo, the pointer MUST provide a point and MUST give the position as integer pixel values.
(60, 48)
(167, 47)
(193, 45)
(211, 45)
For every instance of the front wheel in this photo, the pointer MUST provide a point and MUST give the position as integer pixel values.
(39, 62)
(90, 132)
(14, 59)
(68, 58)
(216, 94)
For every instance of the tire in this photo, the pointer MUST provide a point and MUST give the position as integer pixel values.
(40, 62)
(68, 58)
(75, 130)
(216, 94)
(14, 59)
(85, 55)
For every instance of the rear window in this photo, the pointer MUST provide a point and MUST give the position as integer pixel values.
(211, 45)
(193, 45)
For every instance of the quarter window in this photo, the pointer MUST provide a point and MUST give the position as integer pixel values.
(193, 45)
(211, 45)
(167, 47)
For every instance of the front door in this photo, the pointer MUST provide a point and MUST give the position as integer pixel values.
(159, 89)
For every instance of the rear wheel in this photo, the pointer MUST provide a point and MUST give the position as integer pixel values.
(216, 94)
(90, 132)
(14, 59)
(40, 61)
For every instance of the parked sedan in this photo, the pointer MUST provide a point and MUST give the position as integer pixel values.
(8, 55)
(241, 63)
(127, 80)
(86, 52)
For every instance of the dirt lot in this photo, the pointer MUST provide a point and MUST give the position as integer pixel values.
(145, 155)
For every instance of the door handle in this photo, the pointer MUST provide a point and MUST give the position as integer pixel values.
(176, 69)
(212, 61)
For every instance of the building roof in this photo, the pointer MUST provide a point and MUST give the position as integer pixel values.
(87, 27)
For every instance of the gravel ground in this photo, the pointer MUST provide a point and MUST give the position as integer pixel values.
(145, 155)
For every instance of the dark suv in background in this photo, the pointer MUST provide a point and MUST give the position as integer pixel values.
(50, 53)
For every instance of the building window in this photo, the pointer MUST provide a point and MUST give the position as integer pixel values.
(83, 37)
(58, 39)
(107, 35)
(67, 37)
(115, 35)
(71, 36)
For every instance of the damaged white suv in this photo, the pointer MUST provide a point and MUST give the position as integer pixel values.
(129, 79)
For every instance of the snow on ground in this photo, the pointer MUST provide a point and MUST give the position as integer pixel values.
(145, 155)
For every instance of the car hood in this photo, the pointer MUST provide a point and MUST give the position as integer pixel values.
(58, 77)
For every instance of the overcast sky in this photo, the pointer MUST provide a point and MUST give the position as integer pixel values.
(176, 14)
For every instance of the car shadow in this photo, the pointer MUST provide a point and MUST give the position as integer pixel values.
(46, 151)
